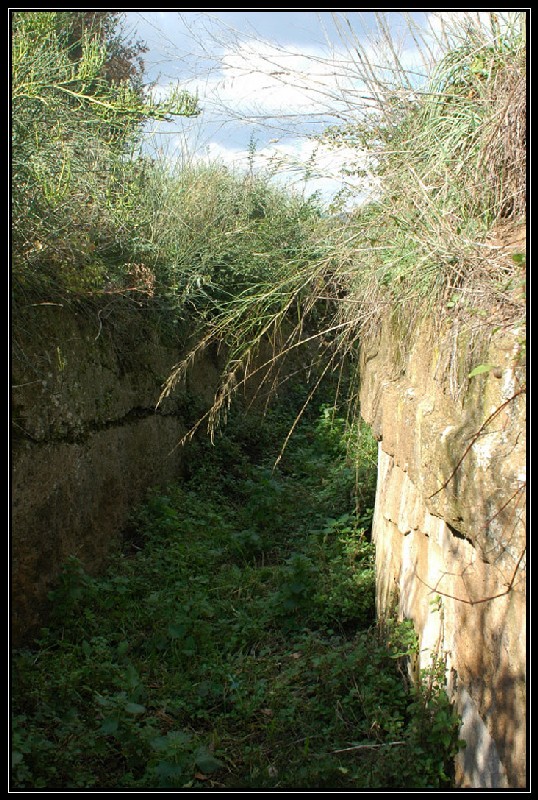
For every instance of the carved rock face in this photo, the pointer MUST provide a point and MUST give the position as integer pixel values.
(87, 444)
(449, 528)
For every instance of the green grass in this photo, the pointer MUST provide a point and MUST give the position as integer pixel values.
(232, 643)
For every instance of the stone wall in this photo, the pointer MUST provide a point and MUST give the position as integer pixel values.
(87, 439)
(449, 525)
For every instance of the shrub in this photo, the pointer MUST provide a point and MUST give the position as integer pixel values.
(72, 131)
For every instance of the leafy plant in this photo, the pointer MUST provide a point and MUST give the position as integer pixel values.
(74, 186)
(197, 659)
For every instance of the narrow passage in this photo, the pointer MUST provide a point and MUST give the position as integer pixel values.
(232, 643)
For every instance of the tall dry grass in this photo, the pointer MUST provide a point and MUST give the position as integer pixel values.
(440, 143)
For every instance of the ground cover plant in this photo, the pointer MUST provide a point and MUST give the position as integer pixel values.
(232, 643)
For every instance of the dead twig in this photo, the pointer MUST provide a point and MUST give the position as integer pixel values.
(367, 747)
(519, 490)
(508, 589)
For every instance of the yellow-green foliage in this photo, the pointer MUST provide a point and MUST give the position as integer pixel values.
(71, 133)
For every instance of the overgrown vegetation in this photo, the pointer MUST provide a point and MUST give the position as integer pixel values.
(450, 154)
(74, 128)
(232, 643)
(442, 153)
(93, 216)
(441, 150)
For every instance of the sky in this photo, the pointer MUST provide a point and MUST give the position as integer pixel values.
(270, 82)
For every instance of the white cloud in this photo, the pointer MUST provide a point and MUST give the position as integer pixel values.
(259, 79)
(284, 82)
(253, 81)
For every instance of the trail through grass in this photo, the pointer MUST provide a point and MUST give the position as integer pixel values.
(232, 643)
